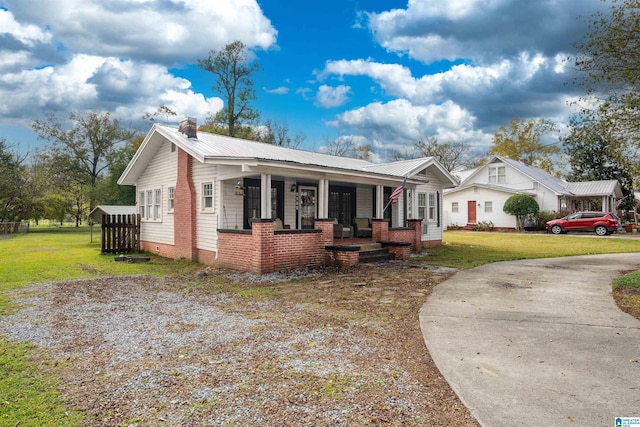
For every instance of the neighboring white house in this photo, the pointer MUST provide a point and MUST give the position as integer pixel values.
(480, 197)
(191, 185)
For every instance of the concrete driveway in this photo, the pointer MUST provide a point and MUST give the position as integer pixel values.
(538, 342)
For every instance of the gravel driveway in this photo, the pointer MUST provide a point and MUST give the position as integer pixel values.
(327, 348)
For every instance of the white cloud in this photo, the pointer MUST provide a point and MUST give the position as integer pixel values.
(328, 96)
(480, 30)
(397, 124)
(90, 82)
(154, 30)
(282, 90)
(27, 34)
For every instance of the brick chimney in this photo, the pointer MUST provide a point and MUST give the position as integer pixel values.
(189, 127)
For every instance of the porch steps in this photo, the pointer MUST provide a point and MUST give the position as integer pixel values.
(469, 227)
(374, 252)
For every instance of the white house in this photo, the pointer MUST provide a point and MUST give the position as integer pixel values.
(480, 197)
(200, 195)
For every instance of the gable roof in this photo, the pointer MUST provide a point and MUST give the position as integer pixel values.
(494, 187)
(221, 149)
(555, 184)
(411, 167)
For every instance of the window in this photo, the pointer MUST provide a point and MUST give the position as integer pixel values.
(171, 197)
(149, 203)
(422, 205)
(497, 175)
(141, 204)
(432, 207)
(173, 147)
(454, 207)
(488, 206)
(157, 200)
(427, 206)
(207, 196)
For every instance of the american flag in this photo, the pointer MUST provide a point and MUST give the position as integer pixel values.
(397, 192)
(618, 203)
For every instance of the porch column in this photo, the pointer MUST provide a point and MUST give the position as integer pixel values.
(265, 195)
(605, 204)
(379, 201)
(411, 207)
(323, 198)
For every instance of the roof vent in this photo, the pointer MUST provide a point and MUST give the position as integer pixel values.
(189, 127)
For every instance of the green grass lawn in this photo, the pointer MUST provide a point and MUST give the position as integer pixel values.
(28, 398)
(471, 249)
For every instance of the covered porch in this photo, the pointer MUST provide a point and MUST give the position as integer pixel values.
(295, 202)
(274, 222)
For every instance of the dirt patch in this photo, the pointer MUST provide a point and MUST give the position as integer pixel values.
(324, 348)
(628, 299)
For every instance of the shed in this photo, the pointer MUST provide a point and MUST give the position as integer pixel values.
(98, 211)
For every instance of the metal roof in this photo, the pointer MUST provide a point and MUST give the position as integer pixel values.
(214, 148)
(543, 177)
(210, 145)
(595, 188)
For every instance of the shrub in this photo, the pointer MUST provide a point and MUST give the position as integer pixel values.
(522, 206)
(483, 226)
(540, 220)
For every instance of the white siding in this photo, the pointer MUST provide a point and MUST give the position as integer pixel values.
(206, 221)
(434, 229)
(497, 199)
(160, 173)
(289, 205)
(231, 215)
(364, 201)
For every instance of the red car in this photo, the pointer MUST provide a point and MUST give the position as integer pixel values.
(602, 223)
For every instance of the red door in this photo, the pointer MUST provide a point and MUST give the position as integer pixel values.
(471, 212)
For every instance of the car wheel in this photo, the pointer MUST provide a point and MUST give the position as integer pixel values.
(601, 230)
(556, 229)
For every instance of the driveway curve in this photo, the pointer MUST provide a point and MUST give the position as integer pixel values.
(538, 342)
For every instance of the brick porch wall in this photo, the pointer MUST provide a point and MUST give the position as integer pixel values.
(263, 250)
(416, 225)
(234, 249)
(379, 229)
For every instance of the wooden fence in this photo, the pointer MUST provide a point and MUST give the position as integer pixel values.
(120, 233)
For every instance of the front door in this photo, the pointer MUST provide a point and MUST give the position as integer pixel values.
(308, 206)
(342, 204)
(471, 212)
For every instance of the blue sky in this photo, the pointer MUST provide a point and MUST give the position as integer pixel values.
(384, 73)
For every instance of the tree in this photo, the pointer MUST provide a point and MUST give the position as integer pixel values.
(450, 154)
(84, 152)
(13, 203)
(163, 112)
(234, 81)
(522, 206)
(611, 65)
(520, 140)
(345, 147)
(277, 133)
(111, 192)
(594, 155)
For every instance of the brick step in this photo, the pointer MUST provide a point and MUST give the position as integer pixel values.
(469, 227)
(375, 253)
